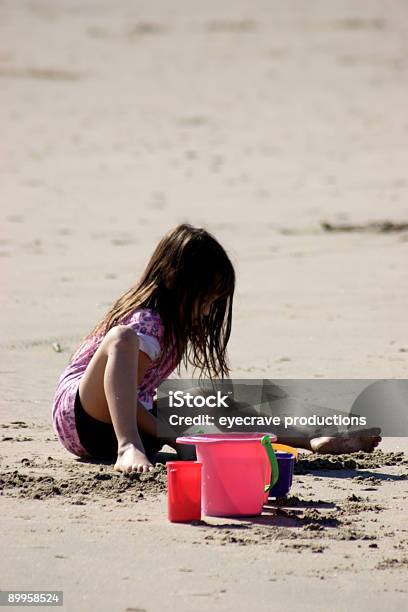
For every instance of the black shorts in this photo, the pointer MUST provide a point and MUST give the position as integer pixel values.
(99, 439)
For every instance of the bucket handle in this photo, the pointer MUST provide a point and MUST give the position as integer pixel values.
(266, 442)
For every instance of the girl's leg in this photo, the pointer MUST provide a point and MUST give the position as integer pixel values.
(345, 442)
(108, 392)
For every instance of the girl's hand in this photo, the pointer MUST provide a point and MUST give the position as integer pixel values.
(131, 459)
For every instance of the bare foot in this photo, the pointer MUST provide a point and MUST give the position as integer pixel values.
(347, 442)
(131, 459)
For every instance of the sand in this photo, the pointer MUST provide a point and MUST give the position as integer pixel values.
(279, 127)
(67, 522)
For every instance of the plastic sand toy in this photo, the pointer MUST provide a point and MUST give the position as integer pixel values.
(184, 491)
(236, 470)
(286, 462)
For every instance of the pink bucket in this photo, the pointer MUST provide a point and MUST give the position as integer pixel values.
(236, 469)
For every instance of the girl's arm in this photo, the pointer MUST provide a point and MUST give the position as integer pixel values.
(145, 420)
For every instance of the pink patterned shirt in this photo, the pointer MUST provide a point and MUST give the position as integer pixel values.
(148, 325)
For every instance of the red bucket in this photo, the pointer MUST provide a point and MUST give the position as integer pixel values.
(184, 491)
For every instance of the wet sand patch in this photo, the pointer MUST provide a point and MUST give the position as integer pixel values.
(146, 28)
(358, 23)
(377, 227)
(230, 25)
(42, 74)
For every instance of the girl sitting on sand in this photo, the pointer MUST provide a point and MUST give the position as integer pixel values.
(179, 312)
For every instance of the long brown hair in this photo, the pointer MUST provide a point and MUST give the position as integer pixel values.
(187, 269)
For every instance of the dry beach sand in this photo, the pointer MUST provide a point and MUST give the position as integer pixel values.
(282, 128)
